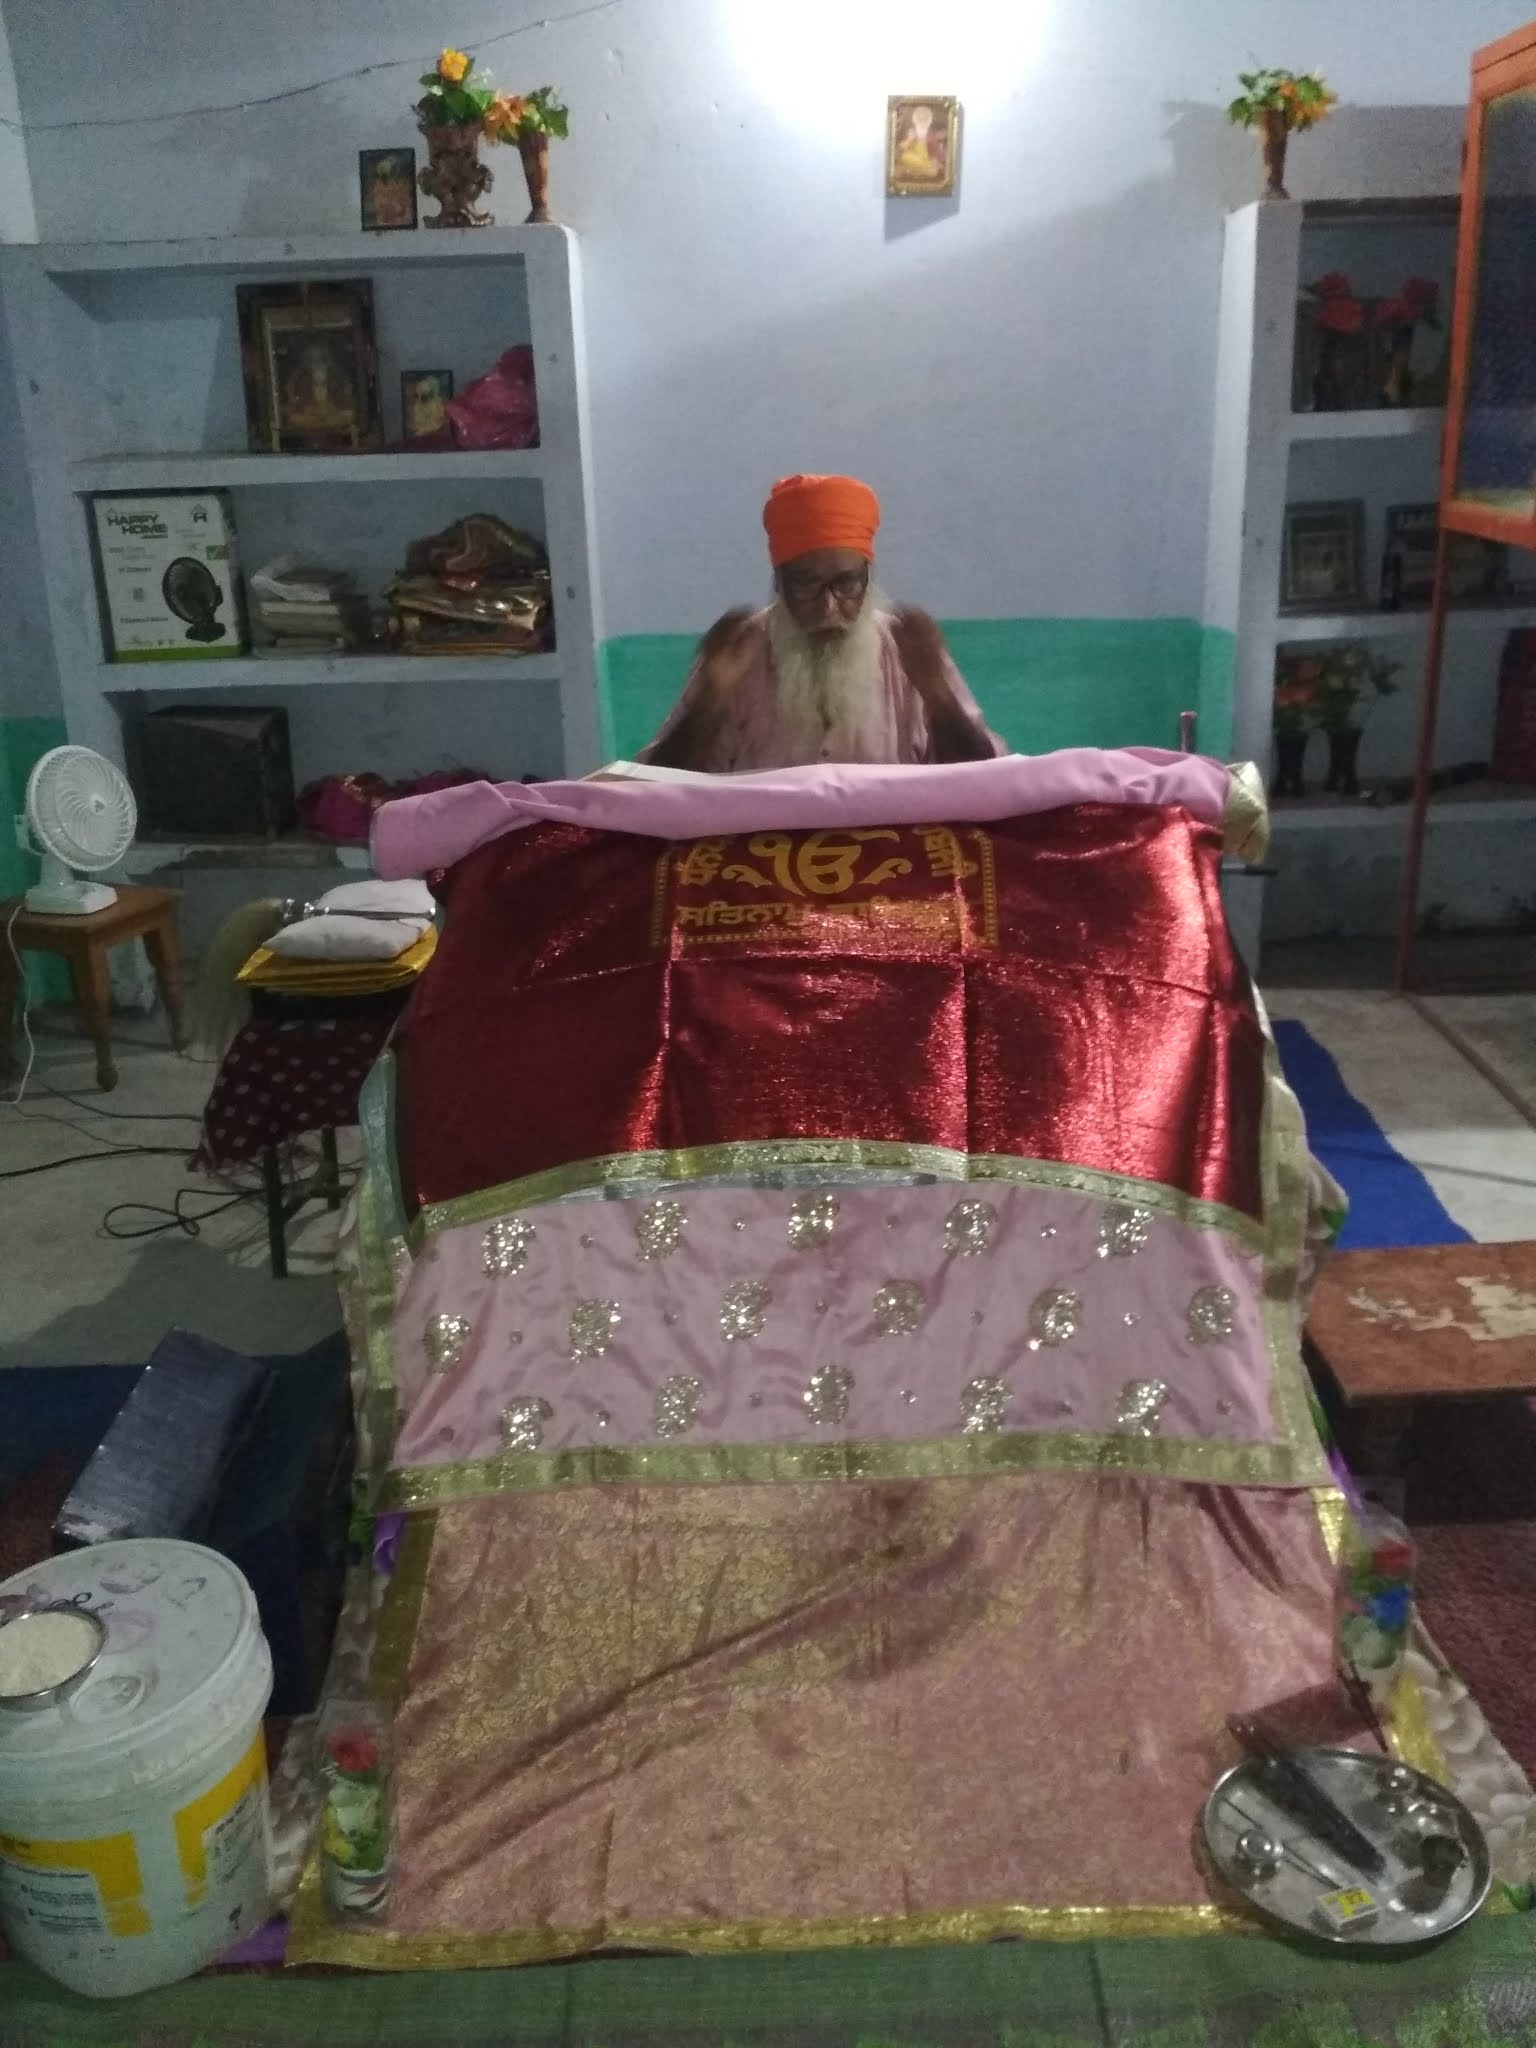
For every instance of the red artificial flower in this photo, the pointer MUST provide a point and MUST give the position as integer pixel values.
(1392, 1560)
(1421, 291)
(1335, 285)
(1341, 316)
(353, 1750)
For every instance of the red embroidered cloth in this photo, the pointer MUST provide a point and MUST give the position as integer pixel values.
(278, 1081)
(1059, 986)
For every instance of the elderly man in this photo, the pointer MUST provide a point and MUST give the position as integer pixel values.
(828, 671)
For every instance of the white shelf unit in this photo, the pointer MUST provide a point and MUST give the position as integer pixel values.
(128, 362)
(1267, 454)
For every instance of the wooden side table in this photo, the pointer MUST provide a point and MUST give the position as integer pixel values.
(84, 943)
(1398, 1329)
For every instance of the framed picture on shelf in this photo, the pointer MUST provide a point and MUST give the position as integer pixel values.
(423, 395)
(922, 146)
(1476, 570)
(166, 577)
(387, 188)
(311, 366)
(1322, 566)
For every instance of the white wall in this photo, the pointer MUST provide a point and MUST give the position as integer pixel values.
(1025, 375)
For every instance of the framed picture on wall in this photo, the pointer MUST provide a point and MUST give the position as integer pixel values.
(922, 146)
(311, 367)
(387, 188)
(1322, 556)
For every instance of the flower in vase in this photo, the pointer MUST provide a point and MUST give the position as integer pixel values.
(453, 67)
(353, 1751)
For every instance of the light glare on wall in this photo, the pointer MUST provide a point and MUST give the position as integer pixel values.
(828, 65)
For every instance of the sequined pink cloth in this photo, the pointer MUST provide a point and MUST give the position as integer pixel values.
(751, 1316)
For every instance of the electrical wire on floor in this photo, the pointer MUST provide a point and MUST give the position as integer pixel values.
(102, 1152)
(175, 1217)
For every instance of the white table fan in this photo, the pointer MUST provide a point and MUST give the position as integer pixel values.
(80, 818)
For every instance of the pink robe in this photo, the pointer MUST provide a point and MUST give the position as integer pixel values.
(750, 735)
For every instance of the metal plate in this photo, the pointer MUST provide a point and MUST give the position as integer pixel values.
(1388, 1802)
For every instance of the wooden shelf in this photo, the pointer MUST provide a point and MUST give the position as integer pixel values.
(285, 672)
(237, 470)
(1297, 627)
(1386, 423)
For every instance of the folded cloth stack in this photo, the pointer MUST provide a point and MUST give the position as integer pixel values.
(359, 939)
(297, 609)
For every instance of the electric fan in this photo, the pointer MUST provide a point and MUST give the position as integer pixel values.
(80, 815)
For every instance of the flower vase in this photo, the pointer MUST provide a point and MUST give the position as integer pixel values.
(1397, 384)
(455, 177)
(534, 151)
(1273, 137)
(1343, 755)
(1330, 391)
(1290, 755)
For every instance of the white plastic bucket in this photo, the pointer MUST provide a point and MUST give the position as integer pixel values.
(134, 1831)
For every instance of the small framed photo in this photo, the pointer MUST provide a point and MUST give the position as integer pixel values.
(166, 576)
(311, 366)
(922, 146)
(386, 181)
(423, 395)
(1476, 570)
(1322, 558)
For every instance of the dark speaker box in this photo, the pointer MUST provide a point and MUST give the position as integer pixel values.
(213, 771)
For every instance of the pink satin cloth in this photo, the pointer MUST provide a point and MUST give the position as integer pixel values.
(748, 1716)
(420, 833)
(1066, 1301)
(751, 734)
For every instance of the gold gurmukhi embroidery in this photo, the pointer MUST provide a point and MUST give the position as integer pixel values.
(984, 1404)
(1123, 1232)
(1140, 1412)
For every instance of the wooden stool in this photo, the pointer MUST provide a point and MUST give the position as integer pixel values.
(84, 942)
(1443, 1322)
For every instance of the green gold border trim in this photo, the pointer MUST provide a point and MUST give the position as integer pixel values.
(1196, 1461)
(778, 1155)
(394, 1641)
(314, 1939)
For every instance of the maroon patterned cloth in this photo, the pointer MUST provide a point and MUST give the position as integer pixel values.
(279, 1080)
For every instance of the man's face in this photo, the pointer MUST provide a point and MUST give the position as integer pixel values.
(824, 591)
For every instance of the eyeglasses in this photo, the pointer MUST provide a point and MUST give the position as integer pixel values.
(847, 587)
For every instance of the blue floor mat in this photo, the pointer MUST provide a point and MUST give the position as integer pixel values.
(1390, 1201)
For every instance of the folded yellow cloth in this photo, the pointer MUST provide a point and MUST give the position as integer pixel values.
(266, 969)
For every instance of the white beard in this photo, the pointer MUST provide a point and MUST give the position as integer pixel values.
(828, 692)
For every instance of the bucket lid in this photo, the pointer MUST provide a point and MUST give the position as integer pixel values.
(177, 1616)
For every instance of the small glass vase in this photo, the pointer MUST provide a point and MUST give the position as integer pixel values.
(1290, 756)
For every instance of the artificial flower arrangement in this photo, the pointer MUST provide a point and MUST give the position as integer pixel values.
(1322, 692)
(462, 94)
(1279, 104)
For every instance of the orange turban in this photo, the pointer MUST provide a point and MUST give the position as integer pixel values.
(808, 512)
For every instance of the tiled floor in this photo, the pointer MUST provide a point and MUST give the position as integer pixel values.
(70, 1294)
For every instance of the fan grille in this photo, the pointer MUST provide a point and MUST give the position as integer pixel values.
(81, 808)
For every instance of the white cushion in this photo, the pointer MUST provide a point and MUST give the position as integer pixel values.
(347, 938)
